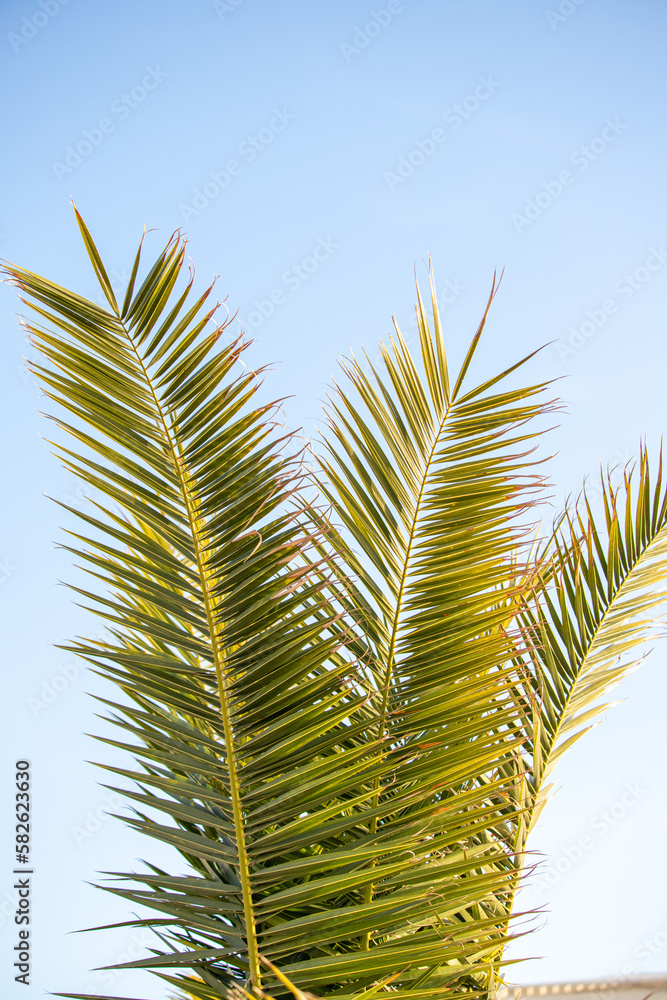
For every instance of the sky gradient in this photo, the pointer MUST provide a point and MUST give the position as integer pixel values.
(316, 154)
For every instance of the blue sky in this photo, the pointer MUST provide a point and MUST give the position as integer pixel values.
(315, 154)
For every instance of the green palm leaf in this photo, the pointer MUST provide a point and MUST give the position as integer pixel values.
(596, 597)
(595, 605)
(343, 733)
(432, 484)
(219, 635)
(244, 697)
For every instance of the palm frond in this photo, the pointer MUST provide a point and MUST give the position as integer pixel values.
(206, 587)
(432, 484)
(595, 605)
(300, 819)
(342, 732)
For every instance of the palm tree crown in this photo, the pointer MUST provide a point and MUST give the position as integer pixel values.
(343, 690)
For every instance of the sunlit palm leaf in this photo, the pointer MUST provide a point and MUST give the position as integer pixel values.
(208, 595)
(595, 607)
(254, 727)
(431, 483)
(343, 732)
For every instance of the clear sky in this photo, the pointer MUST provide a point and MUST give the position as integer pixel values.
(315, 153)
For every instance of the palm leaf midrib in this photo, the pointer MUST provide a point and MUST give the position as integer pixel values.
(396, 617)
(396, 623)
(223, 694)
